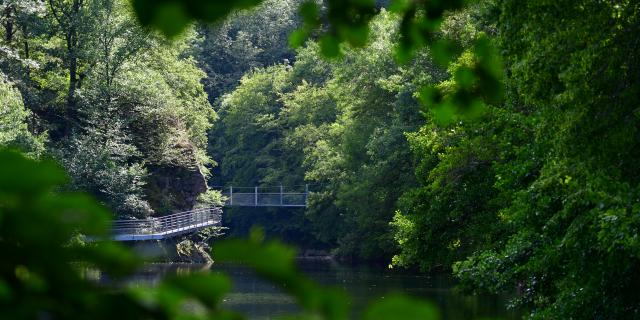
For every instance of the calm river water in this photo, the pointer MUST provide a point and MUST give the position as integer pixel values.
(262, 300)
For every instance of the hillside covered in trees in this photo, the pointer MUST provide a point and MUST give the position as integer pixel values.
(496, 140)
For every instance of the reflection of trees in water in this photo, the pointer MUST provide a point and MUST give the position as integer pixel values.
(148, 275)
(260, 299)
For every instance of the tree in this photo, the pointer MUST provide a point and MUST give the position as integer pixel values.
(73, 20)
(339, 125)
(14, 119)
(571, 249)
(243, 41)
(124, 108)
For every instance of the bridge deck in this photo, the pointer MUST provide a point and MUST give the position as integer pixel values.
(167, 226)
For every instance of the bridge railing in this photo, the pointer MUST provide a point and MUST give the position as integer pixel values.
(238, 196)
(173, 222)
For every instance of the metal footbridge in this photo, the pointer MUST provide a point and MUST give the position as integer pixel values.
(192, 221)
(265, 196)
(165, 227)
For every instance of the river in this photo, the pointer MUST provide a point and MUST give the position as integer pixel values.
(261, 300)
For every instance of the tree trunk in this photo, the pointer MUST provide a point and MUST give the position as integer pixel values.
(73, 71)
(26, 41)
(8, 24)
(72, 56)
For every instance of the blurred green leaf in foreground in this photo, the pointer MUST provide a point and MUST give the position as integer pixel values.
(43, 251)
(337, 22)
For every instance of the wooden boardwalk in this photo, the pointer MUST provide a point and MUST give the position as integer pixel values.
(167, 226)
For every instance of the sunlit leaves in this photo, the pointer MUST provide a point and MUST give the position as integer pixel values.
(13, 121)
(475, 81)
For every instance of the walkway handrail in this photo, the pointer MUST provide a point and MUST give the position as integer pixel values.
(169, 224)
(265, 199)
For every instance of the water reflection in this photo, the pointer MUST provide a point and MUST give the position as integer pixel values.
(259, 299)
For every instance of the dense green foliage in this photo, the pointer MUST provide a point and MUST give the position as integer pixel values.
(531, 187)
(124, 109)
(572, 209)
(495, 139)
(245, 40)
(540, 193)
(337, 125)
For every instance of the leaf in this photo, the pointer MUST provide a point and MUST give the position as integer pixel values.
(401, 307)
(357, 35)
(444, 113)
(309, 12)
(297, 38)
(443, 51)
(21, 175)
(271, 259)
(111, 257)
(329, 46)
(170, 18)
(275, 262)
(207, 288)
(78, 211)
(5, 291)
(465, 77)
(399, 6)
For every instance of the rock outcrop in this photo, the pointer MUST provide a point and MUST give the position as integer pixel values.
(190, 251)
(175, 183)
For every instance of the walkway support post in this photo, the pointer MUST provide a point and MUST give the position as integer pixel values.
(256, 197)
(306, 193)
(230, 196)
(281, 194)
